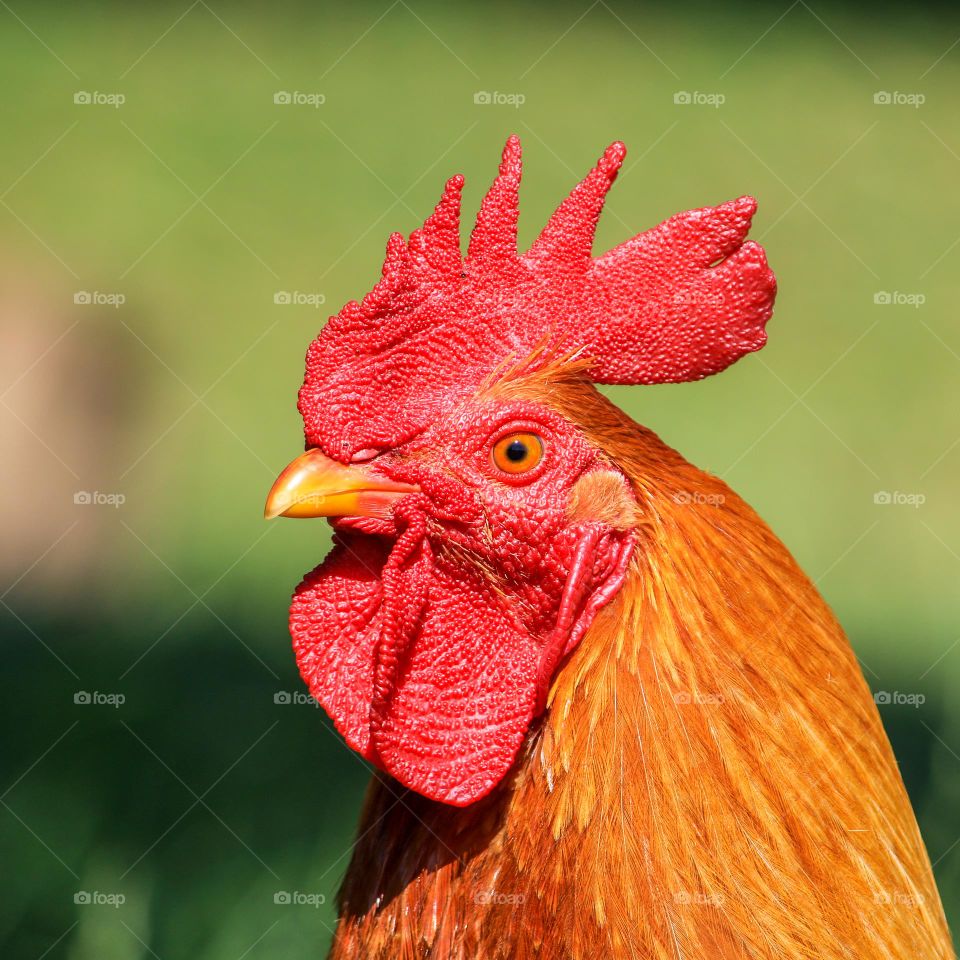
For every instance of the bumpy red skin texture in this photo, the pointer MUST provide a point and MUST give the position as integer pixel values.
(679, 302)
(432, 638)
(433, 648)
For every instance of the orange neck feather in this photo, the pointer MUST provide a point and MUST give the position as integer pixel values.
(711, 779)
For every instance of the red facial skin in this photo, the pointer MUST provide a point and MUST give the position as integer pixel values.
(433, 644)
(432, 638)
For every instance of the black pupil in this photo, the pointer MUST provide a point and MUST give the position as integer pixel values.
(516, 451)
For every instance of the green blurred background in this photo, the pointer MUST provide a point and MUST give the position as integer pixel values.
(214, 786)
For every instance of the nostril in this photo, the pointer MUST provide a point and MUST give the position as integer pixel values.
(365, 455)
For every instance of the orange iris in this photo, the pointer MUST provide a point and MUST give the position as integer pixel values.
(517, 452)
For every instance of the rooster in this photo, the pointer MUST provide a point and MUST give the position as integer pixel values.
(609, 715)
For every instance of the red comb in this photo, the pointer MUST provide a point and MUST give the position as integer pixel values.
(678, 302)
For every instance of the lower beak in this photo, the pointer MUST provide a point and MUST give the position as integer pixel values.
(313, 485)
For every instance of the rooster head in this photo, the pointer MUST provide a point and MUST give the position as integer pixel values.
(479, 527)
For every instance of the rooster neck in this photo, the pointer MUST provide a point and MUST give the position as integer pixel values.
(711, 778)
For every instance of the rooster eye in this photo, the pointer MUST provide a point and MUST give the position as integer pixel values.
(517, 452)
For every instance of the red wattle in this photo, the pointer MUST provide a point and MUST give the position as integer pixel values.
(425, 667)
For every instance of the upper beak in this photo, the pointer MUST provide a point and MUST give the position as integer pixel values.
(313, 485)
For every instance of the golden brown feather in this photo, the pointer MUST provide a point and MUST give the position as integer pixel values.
(711, 778)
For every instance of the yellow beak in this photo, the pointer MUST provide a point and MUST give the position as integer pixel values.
(313, 485)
